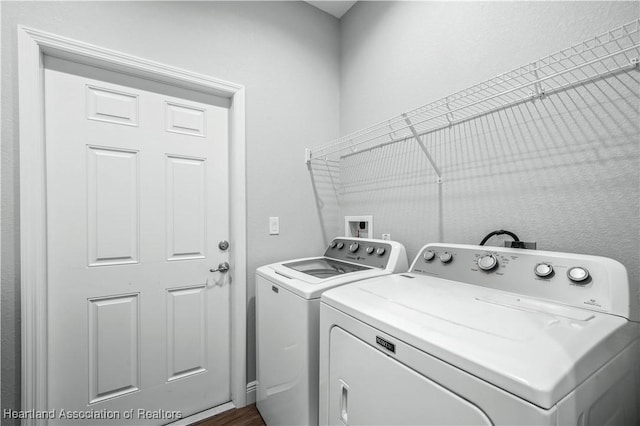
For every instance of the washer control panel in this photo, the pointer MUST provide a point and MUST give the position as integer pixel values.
(369, 252)
(589, 282)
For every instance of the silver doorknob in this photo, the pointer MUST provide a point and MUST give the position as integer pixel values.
(222, 267)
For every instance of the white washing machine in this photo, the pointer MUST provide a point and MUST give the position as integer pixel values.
(475, 335)
(287, 321)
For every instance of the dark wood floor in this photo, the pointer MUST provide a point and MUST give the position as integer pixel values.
(245, 416)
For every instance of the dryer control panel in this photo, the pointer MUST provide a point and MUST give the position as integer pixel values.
(589, 282)
(384, 254)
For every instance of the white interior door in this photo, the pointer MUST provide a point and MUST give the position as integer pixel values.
(137, 201)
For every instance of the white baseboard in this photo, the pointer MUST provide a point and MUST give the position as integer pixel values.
(252, 388)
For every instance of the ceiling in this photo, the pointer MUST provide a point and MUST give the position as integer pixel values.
(335, 8)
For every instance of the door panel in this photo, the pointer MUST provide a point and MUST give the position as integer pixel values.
(186, 207)
(114, 340)
(186, 332)
(112, 208)
(112, 106)
(186, 120)
(137, 199)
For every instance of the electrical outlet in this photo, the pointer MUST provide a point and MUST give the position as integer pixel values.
(386, 236)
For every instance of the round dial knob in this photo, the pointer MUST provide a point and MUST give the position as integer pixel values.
(354, 247)
(487, 262)
(333, 244)
(446, 257)
(578, 274)
(370, 250)
(543, 270)
(380, 251)
(340, 245)
(429, 255)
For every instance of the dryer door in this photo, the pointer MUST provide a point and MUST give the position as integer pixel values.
(368, 387)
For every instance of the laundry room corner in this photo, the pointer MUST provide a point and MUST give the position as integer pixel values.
(387, 132)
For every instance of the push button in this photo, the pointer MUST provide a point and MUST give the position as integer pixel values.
(543, 270)
(578, 275)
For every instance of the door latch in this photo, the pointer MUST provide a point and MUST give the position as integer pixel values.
(222, 267)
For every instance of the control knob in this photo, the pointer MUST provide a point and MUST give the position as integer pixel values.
(354, 247)
(340, 245)
(380, 251)
(487, 262)
(543, 270)
(429, 255)
(578, 275)
(370, 250)
(333, 244)
(446, 257)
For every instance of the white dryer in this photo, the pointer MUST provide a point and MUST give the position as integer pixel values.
(483, 336)
(287, 321)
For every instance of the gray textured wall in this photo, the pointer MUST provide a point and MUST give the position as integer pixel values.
(562, 171)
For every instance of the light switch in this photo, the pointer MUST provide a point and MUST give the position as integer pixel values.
(274, 225)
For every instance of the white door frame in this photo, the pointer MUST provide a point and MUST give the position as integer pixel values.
(32, 46)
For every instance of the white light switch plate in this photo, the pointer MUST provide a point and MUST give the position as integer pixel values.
(274, 225)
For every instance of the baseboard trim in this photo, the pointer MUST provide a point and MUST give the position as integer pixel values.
(252, 388)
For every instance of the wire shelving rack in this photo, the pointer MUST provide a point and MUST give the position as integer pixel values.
(615, 51)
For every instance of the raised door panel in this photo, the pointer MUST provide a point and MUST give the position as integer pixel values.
(112, 106)
(112, 191)
(186, 208)
(186, 120)
(186, 332)
(114, 361)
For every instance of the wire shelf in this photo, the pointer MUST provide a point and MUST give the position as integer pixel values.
(614, 51)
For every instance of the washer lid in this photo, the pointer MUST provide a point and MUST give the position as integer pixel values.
(537, 350)
(324, 267)
(311, 286)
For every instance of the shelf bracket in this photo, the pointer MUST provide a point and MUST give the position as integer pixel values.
(392, 133)
(307, 156)
(423, 147)
(449, 115)
(539, 92)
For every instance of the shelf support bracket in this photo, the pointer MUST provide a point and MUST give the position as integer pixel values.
(307, 156)
(392, 133)
(539, 93)
(423, 147)
(449, 115)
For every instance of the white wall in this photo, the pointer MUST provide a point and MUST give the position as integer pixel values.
(562, 171)
(286, 55)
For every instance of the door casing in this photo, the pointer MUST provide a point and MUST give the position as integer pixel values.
(33, 44)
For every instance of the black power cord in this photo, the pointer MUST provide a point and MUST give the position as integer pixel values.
(499, 232)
